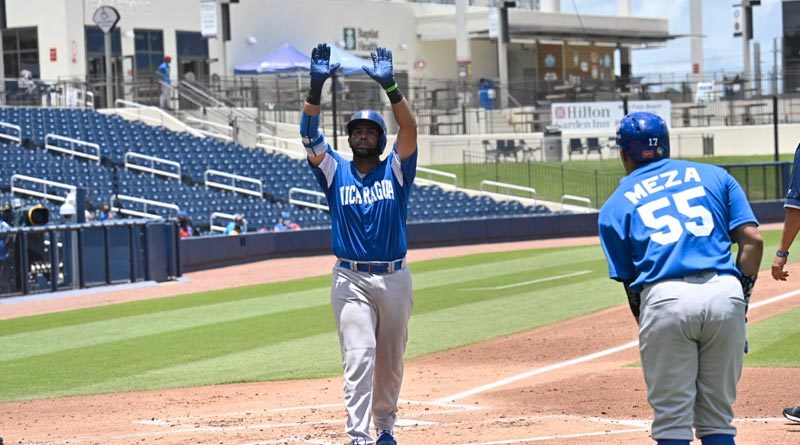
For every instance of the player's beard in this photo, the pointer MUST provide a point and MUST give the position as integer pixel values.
(364, 153)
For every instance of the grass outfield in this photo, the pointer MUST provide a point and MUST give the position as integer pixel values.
(254, 333)
(595, 179)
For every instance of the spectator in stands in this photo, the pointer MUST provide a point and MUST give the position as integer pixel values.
(237, 226)
(104, 212)
(166, 83)
(185, 229)
(285, 223)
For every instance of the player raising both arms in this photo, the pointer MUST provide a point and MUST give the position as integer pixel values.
(368, 199)
(666, 233)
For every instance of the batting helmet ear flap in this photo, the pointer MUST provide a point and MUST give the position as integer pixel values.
(371, 116)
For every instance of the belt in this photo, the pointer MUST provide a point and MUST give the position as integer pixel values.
(373, 267)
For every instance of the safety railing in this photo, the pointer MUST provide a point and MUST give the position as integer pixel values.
(232, 186)
(50, 141)
(144, 113)
(219, 215)
(452, 178)
(574, 198)
(205, 125)
(10, 137)
(144, 202)
(152, 168)
(506, 186)
(318, 196)
(44, 193)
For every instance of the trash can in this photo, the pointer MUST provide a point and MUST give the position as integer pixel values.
(708, 145)
(553, 151)
(487, 94)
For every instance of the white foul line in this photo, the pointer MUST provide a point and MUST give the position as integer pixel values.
(564, 436)
(585, 358)
(775, 299)
(540, 280)
(525, 375)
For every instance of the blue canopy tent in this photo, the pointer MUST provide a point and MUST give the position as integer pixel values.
(351, 63)
(286, 59)
(289, 59)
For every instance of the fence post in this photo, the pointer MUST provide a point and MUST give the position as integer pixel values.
(529, 173)
(596, 188)
(562, 180)
(464, 167)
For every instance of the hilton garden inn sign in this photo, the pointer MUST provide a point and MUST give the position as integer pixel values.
(602, 117)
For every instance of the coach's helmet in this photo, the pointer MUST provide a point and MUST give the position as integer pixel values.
(370, 116)
(643, 136)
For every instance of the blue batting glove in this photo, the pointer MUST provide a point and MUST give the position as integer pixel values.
(321, 67)
(382, 70)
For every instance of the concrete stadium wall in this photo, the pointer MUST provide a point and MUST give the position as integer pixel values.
(217, 251)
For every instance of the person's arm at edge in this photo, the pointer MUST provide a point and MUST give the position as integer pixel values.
(791, 225)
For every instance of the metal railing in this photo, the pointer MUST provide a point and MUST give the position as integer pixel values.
(204, 126)
(135, 111)
(215, 215)
(10, 137)
(299, 202)
(73, 145)
(232, 187)
(503, 185)
(153, 161)
(453, 183)
(572, 198)
(145, 202)
(15, 188)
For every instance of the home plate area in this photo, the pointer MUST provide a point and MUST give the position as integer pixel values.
(324, 424)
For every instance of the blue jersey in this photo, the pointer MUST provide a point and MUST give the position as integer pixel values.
(163, 70)
(793, 194)
(671, 218)
(368, 214)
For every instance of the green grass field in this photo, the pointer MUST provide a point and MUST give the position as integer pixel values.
(597, 179)
(253, 333)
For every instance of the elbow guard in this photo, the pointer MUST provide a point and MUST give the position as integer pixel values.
(313, 139)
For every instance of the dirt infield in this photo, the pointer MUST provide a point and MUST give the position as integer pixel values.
(563, 384)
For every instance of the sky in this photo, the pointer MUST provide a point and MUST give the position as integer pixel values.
(721, 50)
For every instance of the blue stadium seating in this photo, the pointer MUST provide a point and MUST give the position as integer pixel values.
(277, 172)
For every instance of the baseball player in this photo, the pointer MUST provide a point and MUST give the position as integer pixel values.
(791, 225)
(371, 289)
(666, 232)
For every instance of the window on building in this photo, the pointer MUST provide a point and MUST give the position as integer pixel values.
(21, 51)
(149, 51)
(192, 55)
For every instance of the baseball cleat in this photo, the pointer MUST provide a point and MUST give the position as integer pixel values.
(386, 438)
(792, 413)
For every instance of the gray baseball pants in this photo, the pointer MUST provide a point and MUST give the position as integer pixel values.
(371, 313)
(691, 340)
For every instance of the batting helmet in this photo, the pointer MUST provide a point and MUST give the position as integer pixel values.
(371, 116)
(643, 136)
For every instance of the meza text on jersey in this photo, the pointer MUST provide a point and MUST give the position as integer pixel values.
(352, 194)
(660, 182)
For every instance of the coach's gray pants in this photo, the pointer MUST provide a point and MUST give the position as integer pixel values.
(372, 313)
(691, 340)
(166, 95)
